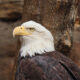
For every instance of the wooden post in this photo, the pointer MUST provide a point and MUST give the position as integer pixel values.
(56, 15)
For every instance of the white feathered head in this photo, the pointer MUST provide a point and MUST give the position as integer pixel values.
(35, 38)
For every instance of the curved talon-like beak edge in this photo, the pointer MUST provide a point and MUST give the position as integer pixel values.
(20, 31)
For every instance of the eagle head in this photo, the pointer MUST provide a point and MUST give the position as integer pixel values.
(35, 39)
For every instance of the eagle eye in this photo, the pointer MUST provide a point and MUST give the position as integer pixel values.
(31, 29)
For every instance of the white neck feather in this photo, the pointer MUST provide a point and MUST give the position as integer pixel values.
(40, 46)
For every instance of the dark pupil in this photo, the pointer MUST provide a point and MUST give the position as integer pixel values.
(31, 28)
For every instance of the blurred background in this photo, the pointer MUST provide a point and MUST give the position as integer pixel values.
(10, 16)
(13, 13)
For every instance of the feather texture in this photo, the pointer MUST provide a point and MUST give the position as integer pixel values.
(49, 66)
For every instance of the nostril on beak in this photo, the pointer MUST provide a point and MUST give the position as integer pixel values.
(21, 27)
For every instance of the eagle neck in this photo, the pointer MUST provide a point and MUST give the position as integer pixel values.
(36, 47)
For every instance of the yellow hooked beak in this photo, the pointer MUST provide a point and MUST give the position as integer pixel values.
(20, 31)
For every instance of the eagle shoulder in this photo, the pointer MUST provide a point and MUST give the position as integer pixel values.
(41, 68)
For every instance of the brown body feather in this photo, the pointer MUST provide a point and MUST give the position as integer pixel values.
(48, 66)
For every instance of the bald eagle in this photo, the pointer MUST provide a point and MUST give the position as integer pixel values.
(38, 59)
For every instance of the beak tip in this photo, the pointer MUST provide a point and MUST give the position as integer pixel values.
(13, 35)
